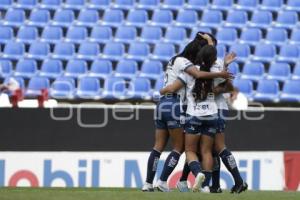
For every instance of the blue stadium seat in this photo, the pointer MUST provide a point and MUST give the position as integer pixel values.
(234, 69)
(295, 36)
(6, 4)
(287, 19)
(148, 4)
(113, 18)
(74, 4)
(236, 19)
(251, 36)
(87, 17)
(187, 18)
(126, 69)
(88, 88)
(76, 34)
(113, 51)
(125, 34)
(267, 91)
(51, 68)
(245, 86)
(272, 5)
(211, 18)
(64, 51)
(175, 35)
(76, 68)
(253, 71)
(52, 34)
(139, 88)
(6, 68)
(26, 68)
(261, 19)
(151, 69)
(221, 50)
(26, 4)
(101, 69)
(137, 18)
(101, 34)
(172, 4)
(196, 4)
(27, 34)
(39, 50)
(123, 4)
(114, 88)
(276, 36)
(162, 18)
(39, 18)
(163, 51)
(227, 35)
(289, 53)
(63, 18)
(159, 84)
(264, 52)
(14, 17)
(279, 71)
(242, 51)
(151, 34)
(88, 51)
(195, 30)
(20, 80)
(138, 51)
(36, 85)
(99, 4)
(51, 4)
(221, 4)
(6, 34)
(291, 91)
(248, 5)
(296, 72)
(63, 88)
(293, 5)
(13, 50)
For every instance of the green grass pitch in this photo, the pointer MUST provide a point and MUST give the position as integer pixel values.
(134, 194)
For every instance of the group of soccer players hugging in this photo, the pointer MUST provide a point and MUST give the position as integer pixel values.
(192, 111)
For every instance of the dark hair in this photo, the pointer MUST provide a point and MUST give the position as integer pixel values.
(205, 59)
(198, 37)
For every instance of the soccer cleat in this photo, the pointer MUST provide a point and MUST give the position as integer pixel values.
(147, 187)
(182, 186)
(215, 190)
(239, 188)
(162, 186)
(205, 189)
(198, 182)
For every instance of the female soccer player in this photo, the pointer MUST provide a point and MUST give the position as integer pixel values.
(168, 114)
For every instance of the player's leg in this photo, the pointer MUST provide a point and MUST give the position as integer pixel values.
(216, 188)
(206, 146)
(182, 184)
(230, 163)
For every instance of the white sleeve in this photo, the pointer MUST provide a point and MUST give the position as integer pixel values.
(183, 77)
(182, 63)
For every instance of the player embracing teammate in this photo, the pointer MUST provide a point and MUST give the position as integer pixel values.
(193, 79)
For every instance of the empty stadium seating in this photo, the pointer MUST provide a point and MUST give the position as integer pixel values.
(74, 44)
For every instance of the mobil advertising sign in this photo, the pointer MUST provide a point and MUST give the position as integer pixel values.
(261, 170)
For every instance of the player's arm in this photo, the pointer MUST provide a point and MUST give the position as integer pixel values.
(172, 88)
(193, 71)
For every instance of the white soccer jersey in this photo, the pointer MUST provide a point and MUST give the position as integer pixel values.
(173, 72)
(220, 100)
(203, 108)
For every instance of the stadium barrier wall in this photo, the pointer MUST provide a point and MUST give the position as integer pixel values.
(262, 170)
(104, 129)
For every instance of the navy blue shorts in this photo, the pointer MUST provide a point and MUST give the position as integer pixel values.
(204, 125)
(168, 113)
(222, 114)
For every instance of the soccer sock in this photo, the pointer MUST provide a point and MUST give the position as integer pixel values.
(185, 172)
(152, 165)
(195, 167)
(169, 166)
(207, 178)
(230, 163)
(216, 171)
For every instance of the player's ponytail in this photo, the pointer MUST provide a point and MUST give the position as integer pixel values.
(205, 59)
